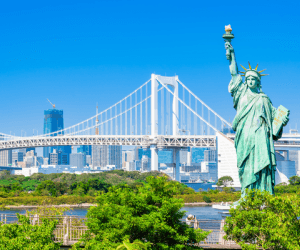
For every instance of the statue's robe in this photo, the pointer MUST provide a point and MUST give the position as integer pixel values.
(254, 144)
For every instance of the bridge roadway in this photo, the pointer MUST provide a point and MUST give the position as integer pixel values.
(288, 141)
(124, 140)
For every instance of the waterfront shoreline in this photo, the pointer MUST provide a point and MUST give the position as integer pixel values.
(87, 205)
(82, 205)
(205, 204)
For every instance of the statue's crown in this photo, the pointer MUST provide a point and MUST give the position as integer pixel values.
(253, 70)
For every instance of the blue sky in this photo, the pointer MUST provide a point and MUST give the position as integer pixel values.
(78, 53)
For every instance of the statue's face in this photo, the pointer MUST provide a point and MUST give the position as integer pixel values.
(252, 82)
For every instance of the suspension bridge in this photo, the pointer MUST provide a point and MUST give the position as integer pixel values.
(161, 113)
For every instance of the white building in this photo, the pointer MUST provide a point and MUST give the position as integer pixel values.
(52, 169)
(53, 158)
(146, 163)
(227, 160)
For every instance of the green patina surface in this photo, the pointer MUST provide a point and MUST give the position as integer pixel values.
(253, 123)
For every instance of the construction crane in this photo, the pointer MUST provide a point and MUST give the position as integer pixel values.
(53, 105)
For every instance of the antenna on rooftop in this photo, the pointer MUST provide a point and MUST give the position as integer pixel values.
(53, 105)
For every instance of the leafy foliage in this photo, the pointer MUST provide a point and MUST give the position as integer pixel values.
(150, 214)
(26, 236)
(126, 245)
(214, 196)
(225, 181)
(294, 180)
(294, 186)
(42, 200)
(264, 221)
(62, 183)
(206, 199)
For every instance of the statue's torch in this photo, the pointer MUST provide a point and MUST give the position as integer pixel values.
(227, 38)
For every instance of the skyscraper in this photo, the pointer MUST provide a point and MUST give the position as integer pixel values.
(104, 155)
(5, 155)
(198, 154)
(85, 149)
(77, 160)
(54, 121)
(210, 155)
(6, 158)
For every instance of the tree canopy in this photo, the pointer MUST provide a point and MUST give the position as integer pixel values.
(149, 214)
(265, 221)
(225, 181)
(294, 180)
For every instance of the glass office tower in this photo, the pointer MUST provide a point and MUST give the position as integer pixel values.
(54, 121)
(85, 149)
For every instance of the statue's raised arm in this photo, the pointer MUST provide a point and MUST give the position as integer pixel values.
(230, 51)
(232, 60)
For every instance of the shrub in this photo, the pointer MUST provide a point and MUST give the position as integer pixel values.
(265, 221)
(26, 236)
(206, 199)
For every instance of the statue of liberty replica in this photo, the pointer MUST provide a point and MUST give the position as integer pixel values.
(257, 124)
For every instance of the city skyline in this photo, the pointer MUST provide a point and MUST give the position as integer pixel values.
(78, 68)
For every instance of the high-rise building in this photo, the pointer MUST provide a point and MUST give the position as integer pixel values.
(198, 154)
(85, 149)
(107, 155)
(295, 156)
(53, 158)
(165, 156)
(54, 121)
(145, 163)
(142, 152)
(128, 156)
(5, 158)
(25, 150)
(96, 155)
(210, 155)
(88, 160)
(17, 157)
(136, 153)
(77, 160)
(228, 131)
(63, 158)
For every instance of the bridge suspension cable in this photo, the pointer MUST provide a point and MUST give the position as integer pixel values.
(179, 110)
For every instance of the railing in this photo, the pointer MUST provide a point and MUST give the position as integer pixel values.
(217, 232)
(70, 229)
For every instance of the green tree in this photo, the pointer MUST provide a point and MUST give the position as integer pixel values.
(26, 236)
(47, 185)
(228, 189)
(126, 245)
(149, 214)
(225, 181)
(265, 221)
(206, 199)
(294, 180)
